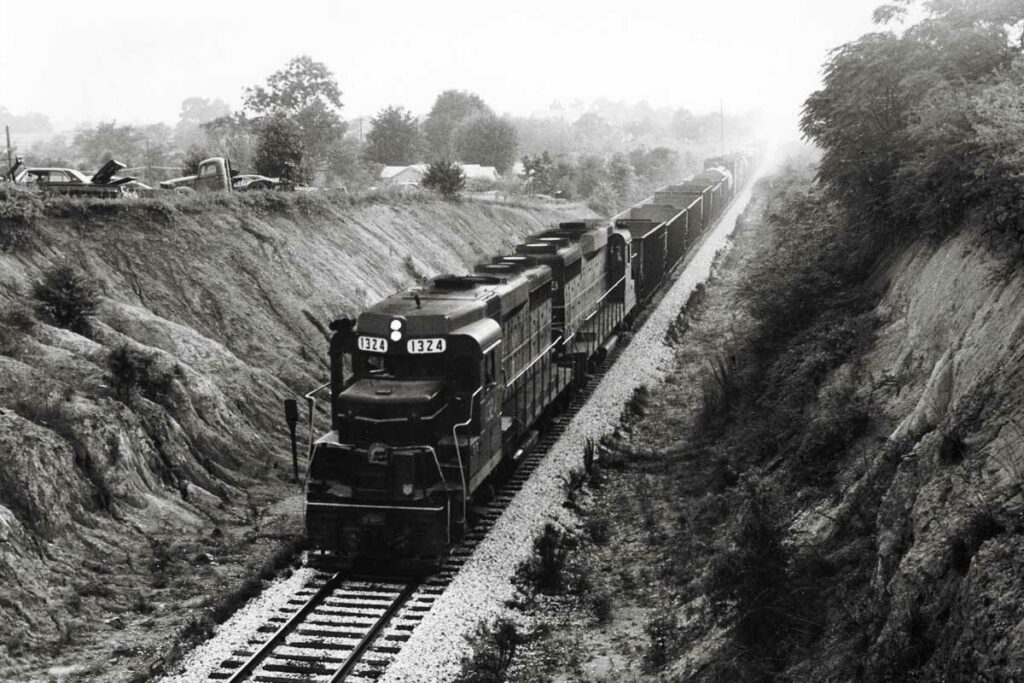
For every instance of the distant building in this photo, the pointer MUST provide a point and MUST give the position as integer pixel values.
(401, 175)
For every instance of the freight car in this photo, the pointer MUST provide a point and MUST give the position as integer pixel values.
(437, 389)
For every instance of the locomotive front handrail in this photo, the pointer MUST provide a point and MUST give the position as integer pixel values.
(311, 404)
(458, 451)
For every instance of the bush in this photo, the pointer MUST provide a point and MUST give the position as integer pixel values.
(494, 645)
(545, 569)
(19, 210)
(66, 298)
(132, 372)
(663, 636)
(446, 177)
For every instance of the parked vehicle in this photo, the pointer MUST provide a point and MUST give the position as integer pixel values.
(103, 183)
(215, 175)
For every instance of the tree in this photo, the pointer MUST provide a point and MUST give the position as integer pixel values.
(107, 140)
(656, 166)
(451, 108)
(486, 140)
(540, 169)
(233, 137)
(306, 94)
(395, 137)
(195, 111)
(279, 149)
(446, 177)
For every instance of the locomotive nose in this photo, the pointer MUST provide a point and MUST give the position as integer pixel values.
(381, 399)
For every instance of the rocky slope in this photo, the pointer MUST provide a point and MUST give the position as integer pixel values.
(141, 463)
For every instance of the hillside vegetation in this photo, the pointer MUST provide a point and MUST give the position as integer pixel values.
(145, 350)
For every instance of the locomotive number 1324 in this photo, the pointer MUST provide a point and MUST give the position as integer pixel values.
(432, 345)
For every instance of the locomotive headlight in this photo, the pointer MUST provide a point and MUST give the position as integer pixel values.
(396, 336)
(396, 325)
(396, 330)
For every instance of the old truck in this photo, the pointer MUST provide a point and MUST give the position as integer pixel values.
(215, 175)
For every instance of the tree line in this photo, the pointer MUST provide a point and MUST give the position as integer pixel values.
(923, 129)
(291, 126)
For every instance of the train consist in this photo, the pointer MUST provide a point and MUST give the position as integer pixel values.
(436, 389)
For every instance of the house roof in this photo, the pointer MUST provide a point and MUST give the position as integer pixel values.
(477, 172)
(391, 171)
(472, 171)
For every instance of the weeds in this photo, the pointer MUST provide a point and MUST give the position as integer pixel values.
(133, 372)
(66, 298)
(639, 402)
(663, 636)
(493, 649)
(545, 570)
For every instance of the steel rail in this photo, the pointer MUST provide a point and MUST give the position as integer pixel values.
(286, 628)
(370, 636)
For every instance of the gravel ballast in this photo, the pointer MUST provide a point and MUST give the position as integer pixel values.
(484, 585)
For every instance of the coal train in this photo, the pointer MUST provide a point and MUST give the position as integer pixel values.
(437, 389)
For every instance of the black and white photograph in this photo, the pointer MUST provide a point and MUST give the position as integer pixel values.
(524, 342)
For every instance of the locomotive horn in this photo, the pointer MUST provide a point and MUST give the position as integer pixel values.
(291, 414)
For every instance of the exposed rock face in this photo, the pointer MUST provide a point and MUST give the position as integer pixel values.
(948, 583)
(224, 308)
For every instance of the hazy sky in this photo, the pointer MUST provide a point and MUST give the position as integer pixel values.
(135, 62)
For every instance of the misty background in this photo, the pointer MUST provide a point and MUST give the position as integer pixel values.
(603, 101)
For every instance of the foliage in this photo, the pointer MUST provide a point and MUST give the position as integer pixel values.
(486, 140)
(446, 177)
(279, 149)
(493, 649)
(193, 157)
(300, 112)
(546, 569)
(394, 139)
(450, 109)
(134, 372)
(19, 211)
(233, 137)
(918, 128)
(66, 298)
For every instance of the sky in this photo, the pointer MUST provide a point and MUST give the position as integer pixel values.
(135, 63)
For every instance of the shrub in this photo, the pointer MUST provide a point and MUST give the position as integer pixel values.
(493, 648)
(750, 573)
(19, 210)
(545, 569)
(599, 529)
(446, 177)
(20, 318)
(601, 607)
(66, 298)
(663, 636)
(132, 371)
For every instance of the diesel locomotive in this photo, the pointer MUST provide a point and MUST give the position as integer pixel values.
(437, 389)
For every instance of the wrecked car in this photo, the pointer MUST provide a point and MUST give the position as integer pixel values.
(103, 183)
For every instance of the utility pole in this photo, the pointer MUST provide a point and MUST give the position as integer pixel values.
(9, 161)
(721, 119)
